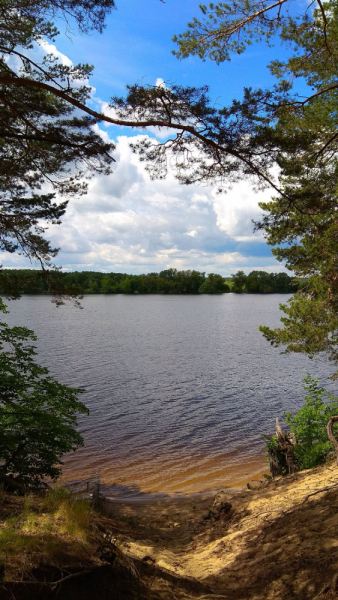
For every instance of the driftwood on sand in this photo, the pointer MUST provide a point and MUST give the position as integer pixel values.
(281, 458)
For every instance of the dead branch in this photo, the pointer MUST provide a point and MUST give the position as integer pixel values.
(330, 435)
(51, 583)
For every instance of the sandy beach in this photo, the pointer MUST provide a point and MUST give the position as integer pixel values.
(266, 543)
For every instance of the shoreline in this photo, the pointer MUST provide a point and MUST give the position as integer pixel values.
(139, 497)
(150, 498)
(163, 477)
(257, 545)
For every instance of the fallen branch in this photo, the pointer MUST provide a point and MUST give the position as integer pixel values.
(294, 507)
(324, 489)
(51, 583)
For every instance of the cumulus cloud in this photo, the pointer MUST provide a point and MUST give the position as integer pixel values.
(46, 47)
(236, 210)
(128, 223)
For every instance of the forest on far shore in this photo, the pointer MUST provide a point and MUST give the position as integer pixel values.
(169, 281)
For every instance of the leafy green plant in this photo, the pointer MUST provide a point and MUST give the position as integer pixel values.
(309, 426)
(129, 520)
(37, 413)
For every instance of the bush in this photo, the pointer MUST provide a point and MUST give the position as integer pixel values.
(309, 425)
(37, 413)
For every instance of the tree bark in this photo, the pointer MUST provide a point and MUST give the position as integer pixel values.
(330, 435)
(282, 458)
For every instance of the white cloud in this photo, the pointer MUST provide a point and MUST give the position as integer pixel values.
(236, 210)
(129, 223)
(49, 48)
(160, 83)
(200, 199)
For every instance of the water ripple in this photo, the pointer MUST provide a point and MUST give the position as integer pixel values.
(179, 387)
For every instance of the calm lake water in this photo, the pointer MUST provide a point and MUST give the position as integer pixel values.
(179, 387)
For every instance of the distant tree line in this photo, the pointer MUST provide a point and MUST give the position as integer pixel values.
(170, 281)
(260, 282)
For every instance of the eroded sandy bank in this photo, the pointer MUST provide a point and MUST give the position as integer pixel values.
(279, 541)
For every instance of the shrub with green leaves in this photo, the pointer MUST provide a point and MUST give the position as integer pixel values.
(309, 425)
(37, 413)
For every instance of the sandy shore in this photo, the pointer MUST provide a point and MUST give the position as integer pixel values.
(275, 542)
(165, 474)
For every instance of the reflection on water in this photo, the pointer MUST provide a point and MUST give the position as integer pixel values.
(179, 387)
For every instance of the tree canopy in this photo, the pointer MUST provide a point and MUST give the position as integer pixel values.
(43, 142)
(43, 139)
(261, 282)
(169, 281)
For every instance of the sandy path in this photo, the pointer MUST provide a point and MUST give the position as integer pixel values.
(277, 542)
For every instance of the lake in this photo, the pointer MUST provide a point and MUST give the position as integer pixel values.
(180, 388)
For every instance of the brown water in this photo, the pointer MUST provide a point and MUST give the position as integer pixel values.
(179, 387)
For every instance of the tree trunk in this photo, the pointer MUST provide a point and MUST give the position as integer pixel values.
(330, 435)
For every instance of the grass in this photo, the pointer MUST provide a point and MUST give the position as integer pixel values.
(50, 530)
(129, 520)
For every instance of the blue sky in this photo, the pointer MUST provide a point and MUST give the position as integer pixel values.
(137, 46)
(127, 222)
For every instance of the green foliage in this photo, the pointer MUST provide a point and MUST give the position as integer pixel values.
(37, 413)
(214, 284)
(309, 426)
(48, 530)
(300, 221)
(170, 281)
(43, 140)
(311, 326)
(260, 282)
(268, 131)
(238, 282)
(226, 29)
